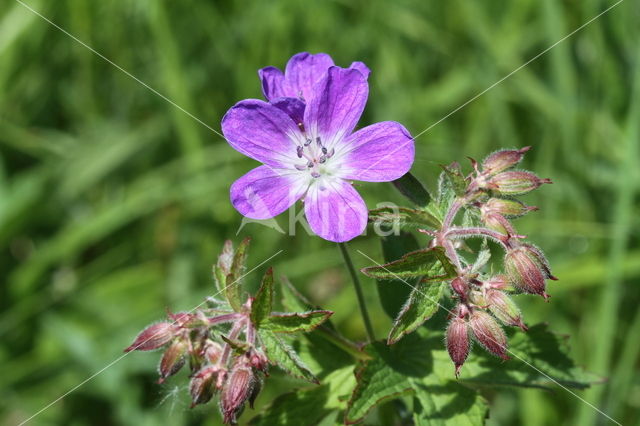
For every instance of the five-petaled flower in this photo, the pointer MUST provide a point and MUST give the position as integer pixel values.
(305, 138)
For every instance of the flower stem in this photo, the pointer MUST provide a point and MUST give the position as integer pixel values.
(359, 293)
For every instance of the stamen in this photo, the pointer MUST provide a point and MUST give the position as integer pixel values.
(318, 141)
(300, 167)
(322, 159)
(299, 151)
(310, 164)
(315, 174)
(330, 153)
(324, 150)
(307, 142)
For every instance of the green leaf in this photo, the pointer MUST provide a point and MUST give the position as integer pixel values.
(393, 294)
(238, 346)
(235, 274)
(411, 188)
(423, 302)
(453, 179)
(403, 218)
(296, 322)
(431, 262)
(538, 359)
(420, 365)
(281, 354)
(292, 299)
(262, 304)
(310, 405)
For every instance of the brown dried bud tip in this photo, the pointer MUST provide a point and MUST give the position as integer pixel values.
(458, 343)
(153, 337)
(503, 308)
(203, 385)
(173, 359)
(515, 183)
(502, 160)
(488, 333)
(528, 269)
(236, 392)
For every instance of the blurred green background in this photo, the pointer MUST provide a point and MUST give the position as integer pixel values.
(114, 203)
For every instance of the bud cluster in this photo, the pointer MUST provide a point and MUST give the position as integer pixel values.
(483, 301)
(221, 349)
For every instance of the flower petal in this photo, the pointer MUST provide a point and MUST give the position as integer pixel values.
(335, 110)
(303, 71)
(294, 108)
(335, 211)
(261, 131)
(266, 192)
(273, 85)
(360, 66)
(378, 153)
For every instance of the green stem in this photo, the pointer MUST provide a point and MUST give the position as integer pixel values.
(359, 293)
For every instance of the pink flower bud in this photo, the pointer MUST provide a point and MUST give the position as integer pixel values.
(497, 222)
(212, 351)
(528, 269)
(488, 333)
(203, 385)
(503, 308)
(516, 182)
(172, 359)
(502, 160)
(458, 343)
(258, 361)
(236, 392)
(153, 337)
(460, 287)
(504, 207)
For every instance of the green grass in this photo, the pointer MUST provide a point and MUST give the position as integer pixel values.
(114, 203)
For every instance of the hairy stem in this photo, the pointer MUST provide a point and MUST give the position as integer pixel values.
(478, 232)
(359, 293)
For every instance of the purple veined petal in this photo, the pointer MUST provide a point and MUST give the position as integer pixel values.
(334, 209)
(360, 66)
(273, 85)
(262, 131)
(337, 106)
(266, 192)
(381, 152)
(294, 108)
(303, 72)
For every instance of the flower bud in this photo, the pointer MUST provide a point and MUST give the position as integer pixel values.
(528, 269)
(153, 337)
(505, 207)
(502, 160)
(497, 222)
(173, 359)
(236, 392)
(488, 333)
(503, 308)
(460, 287)
(258, 361)
(516, 182)
(212, 351)
(458, 343)
(203, 385)
(498, 282)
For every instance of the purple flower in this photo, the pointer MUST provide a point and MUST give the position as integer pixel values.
(314, 158)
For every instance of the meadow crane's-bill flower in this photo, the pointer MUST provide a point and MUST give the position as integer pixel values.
(315, 159)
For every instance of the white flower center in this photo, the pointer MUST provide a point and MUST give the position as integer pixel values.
(314, 156)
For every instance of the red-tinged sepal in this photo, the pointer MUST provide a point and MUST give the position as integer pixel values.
(237, 391)
(153, 337)
(502, 160)
(488, 333)
(458, 342)
(528, 269)
(515, 182)
(204, 384)
(504, 308)
(173, 359)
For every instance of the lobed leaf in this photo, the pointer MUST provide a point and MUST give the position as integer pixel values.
(263, 302)
(403, 218)
(233, 277)
(296, 322)
(393, 295)
(423, 302)
(282, 355)
(431, 263)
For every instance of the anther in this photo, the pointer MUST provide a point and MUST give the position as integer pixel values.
(322, 159)
(318, 141)
(310, 164)
(300, 167)
(299, 151)
(324, 150)
(330, 153)
(315, 174)
(307, 142)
